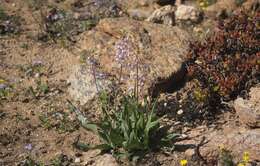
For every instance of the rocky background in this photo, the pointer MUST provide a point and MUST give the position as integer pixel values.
(199, 58)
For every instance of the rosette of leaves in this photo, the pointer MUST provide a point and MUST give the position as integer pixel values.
(129, 131)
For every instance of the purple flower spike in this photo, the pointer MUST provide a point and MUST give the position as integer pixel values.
(122, 50)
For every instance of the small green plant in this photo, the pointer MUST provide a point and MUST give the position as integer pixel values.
(36, 4)
(226, 158)
(57, 120)
(3, 15)
(30, 70)
(45, 122)
(41, 90)
(131, 131)
(128, 128)
(5, 90)
(42, 87)
(9, 24)
(24, 46)
(61, 159)
(3, 93)
(30, 162)
(239, 2)
(60, 26)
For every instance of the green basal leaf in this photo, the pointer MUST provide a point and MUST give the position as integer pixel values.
(126, 129)
(151, 125)
(82, 146)
(103, 147)
(140, 124)
(91, 126)
(133, 143)
(170, 137)
(104, 136)
(116, 137)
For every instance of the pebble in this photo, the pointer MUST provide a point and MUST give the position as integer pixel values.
(77, 160)
(180, 112)
(189, 152)
(37, 75)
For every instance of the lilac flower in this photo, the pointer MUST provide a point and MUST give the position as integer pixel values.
(99, 2)
(28, 147)
(100, 75)
(54, 15)
(92, 61)
(123, 49)
(3, 86)
(37, 63)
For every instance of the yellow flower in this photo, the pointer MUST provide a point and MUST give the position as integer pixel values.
(2, 81)
(184, 162)
(222, 147)
(246, 157)
(241, 164)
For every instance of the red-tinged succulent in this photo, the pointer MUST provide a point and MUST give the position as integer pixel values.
(228, 62)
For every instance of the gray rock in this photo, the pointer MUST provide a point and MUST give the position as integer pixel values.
(139, 13)
(92, 158)
(164, 15)
(77, 160)
(106, 160)
(236, 141)
(138, 9)
(83, 86)
(249, 110)
(187, 13)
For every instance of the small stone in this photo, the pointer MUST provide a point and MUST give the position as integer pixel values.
(189, 152)
(180, 112)
(77, 160)
(107, 160)
(139, 14)
(164, 15)
(187, 13)
(37, 75)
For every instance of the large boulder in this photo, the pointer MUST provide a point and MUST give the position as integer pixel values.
(117, 47)
(164, 15)
(249, 110)
(211, 142)
(236, 141)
